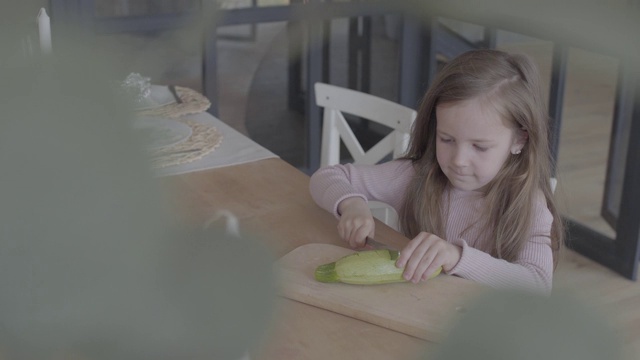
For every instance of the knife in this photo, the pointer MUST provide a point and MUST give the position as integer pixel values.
(179, 152)
(172, 89)
(376, 245)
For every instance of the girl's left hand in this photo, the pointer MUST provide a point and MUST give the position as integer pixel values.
(425, 254)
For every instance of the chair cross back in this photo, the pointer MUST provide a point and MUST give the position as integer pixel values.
(337, 100)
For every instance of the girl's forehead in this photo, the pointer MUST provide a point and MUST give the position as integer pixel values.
(470, 117)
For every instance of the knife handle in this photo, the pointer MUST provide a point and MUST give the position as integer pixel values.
(172, 88)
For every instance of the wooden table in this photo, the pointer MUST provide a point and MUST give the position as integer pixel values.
(271, 198)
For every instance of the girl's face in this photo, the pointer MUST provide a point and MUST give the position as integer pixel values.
(473, 142)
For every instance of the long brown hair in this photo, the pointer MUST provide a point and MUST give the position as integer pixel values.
(511, 82)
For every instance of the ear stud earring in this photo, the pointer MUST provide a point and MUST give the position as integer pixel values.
(517, 152)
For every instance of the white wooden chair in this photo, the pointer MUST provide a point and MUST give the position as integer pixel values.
(337, 100)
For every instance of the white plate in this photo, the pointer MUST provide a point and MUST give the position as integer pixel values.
(159, 132)
(160, 96)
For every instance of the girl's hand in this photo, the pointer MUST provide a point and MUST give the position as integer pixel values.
(356, 221)
(425, 254)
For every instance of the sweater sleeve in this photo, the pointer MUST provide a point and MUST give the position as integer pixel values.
(386, 182)
(531, 271)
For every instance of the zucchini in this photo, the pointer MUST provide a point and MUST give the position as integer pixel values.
(364, 268)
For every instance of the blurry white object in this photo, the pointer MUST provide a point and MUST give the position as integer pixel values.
(44, 31)
(143, 95)
(336, 101)
(161, 132)
(137, 87)
(29, 43)
(232, 224)
(158, 96)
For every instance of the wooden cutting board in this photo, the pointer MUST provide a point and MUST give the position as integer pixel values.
(426, 310)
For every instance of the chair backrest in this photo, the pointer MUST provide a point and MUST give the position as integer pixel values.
(337, 100)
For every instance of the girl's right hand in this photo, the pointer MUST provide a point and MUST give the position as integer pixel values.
(356, 222)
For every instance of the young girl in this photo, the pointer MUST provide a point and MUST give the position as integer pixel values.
(473, 191)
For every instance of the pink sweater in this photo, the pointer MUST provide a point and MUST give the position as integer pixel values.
(532, 270)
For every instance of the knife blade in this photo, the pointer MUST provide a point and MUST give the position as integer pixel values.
(376, 245)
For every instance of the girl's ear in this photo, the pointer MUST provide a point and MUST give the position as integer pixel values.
(520, 140)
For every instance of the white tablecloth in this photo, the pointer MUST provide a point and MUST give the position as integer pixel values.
(235, 149)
